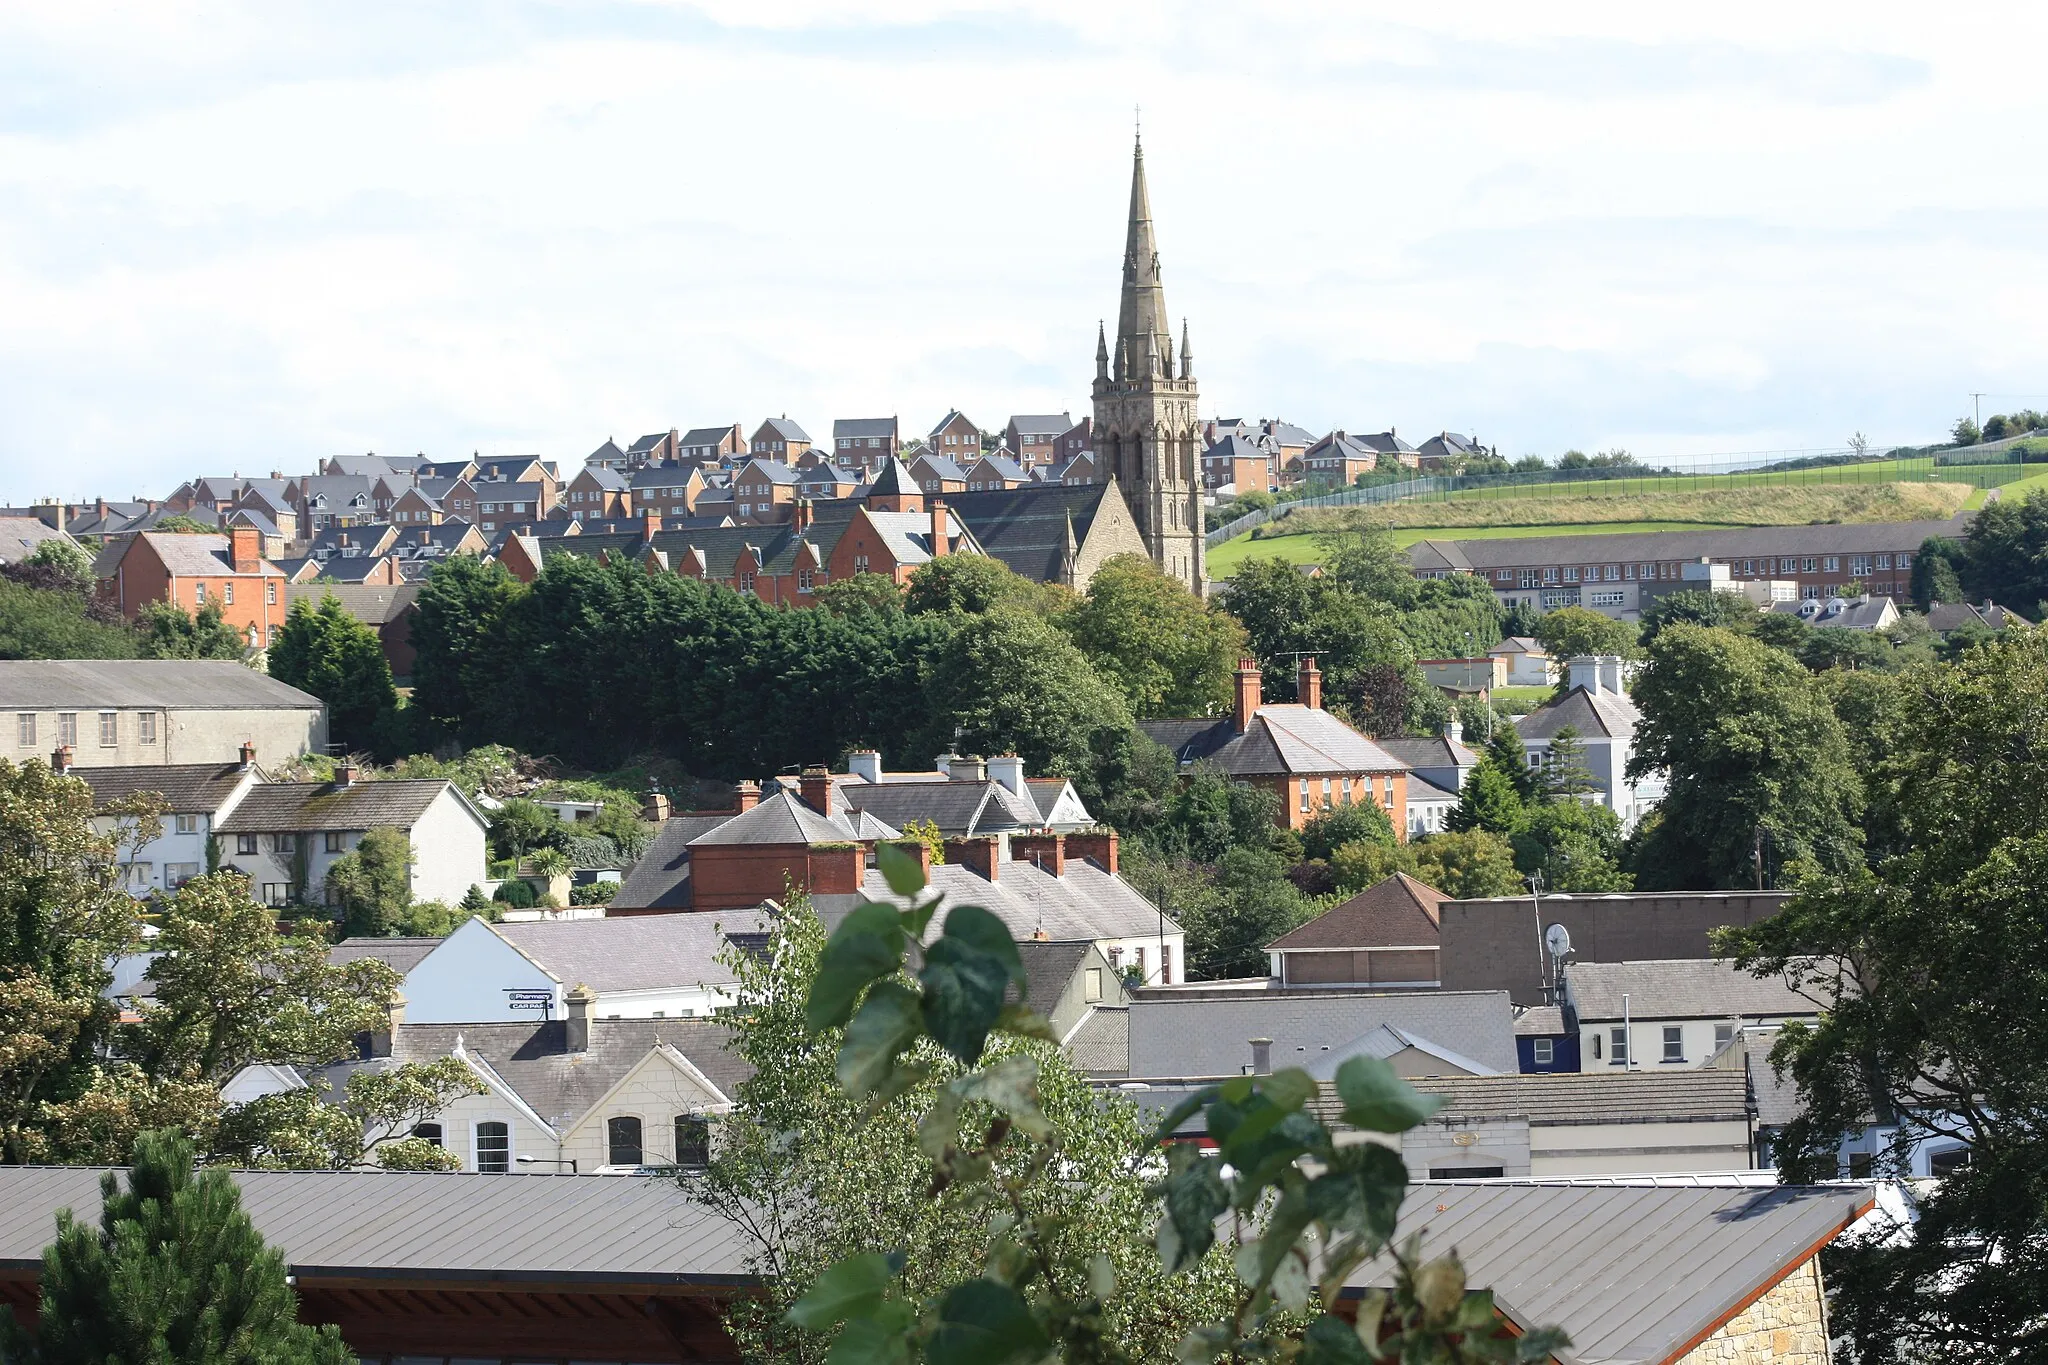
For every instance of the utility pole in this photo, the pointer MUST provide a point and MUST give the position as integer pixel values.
(1977, 408)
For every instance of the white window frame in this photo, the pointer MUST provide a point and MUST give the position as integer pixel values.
(1674, 1043)
(1544, 1053)
(511, 1144)
(1617, 1046)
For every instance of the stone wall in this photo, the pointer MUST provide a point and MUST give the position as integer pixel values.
(1785, 1325)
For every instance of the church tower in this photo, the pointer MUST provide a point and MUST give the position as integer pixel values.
(1146, 434)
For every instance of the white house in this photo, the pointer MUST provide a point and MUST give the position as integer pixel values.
(286, 836)
(1528, 662)
(1438, 766)
(1684, 1012)
(635, 967)
(196, 798)
(1598, 709)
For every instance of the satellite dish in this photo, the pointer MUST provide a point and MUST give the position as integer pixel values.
(1558, 940)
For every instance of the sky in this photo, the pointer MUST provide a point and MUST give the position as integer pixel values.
(239, 237)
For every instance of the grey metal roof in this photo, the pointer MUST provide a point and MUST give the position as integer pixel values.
(1101, 1046)
(637, 952)
(1680, 988)
(399, 954)
(1086, 903)
(1185, 1031)
(174, 684)
(1396, 912)
(863, 427)
(431, 1225)
(1632, 1273)
(296, 806)
(534, 1058)
(187, 788)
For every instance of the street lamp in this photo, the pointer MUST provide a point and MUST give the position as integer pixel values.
(568, 1161)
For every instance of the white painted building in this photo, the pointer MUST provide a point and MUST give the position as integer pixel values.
(1673, 1014)
(196, 797)
(286, 836)
(128, 712)
(1598, 709)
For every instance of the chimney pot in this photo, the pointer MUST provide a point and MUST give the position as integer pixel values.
(579, 1001)
(1454, 731)
(865, 764)
(345, 773)
(1248, 696)
(968, 769)
(1047, 852)
(248, 753)
(746, 794)
(655, 808)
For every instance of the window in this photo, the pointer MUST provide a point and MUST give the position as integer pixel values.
(1809, 565)
(803, 580)
(146, 725)
(1884, 561)
(1550, 575)
(245, 844)
(1504, 575)
(1748, 567)
(693, 1141)
(1904, 561)
(1832, 564)
(187, 824)
(1091, 985)
(285, 843)
(1466, 1172)
(336, 841)
(1811, 592)
(1787, 565)
(1724, 1034)
(1612, 573)
(25, 729)
(1138, 961)
(67, 727)
(860, 563)
(1859, 565)
(1947, 1163)
(1674, 1043)
(747, 581)
(1305, 807)
(1545, 1052)
(1607, 599)
(622, 1141)
(1571, 575)
(277, 893)
(1326, 793)
(199, 593)
(428, 1132)
(177, 874)
(494, 1147)
(1617, 1050)
(110, 729)
(227, 594)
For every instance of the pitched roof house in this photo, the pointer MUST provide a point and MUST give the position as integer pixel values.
(779, 439)
(192, 571)
(286, 836)
(1052, 533)
(1386, 937)
(1598, 710)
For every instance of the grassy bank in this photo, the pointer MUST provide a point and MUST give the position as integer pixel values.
(1304, 548)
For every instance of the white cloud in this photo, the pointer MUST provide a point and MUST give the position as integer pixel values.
(239, 236)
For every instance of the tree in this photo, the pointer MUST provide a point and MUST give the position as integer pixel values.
(185, 526)
(369, 1123)
(1570, 632)
(176, 1275)
(372, 883)
(928, 833)
(1336, 826)
(460, 606)
(1938, 571)
(2006, 552)
(325, 651)
(1934, 1000)
(1564, 775)
(1468, 864)
(966, 585)
(1355, 866)
(1166, 650)
(861, 592)
(1575, 845)
(36, 623)
(1759, 769)
(1698, 607)
(1250, 903)
(1007, 682)
(1493, 798)
(1019, 1284)
(520, 825)
(168, 631)
(1965, 432)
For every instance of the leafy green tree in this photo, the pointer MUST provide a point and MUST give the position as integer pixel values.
(37, 623)
(861, 592)
(1569, 632)
(2007, 552)
(370, 1122)
(1008, 682)
(1938, 571)
(1028, 1288)
(1757, 764)
(55, 565)
(1166, 650)
(1467, 864)
(516, 894)
(1355, 866)
(966, 585)
(521, 825)
(1931, 984)
(175, 1275)
(1698, 607)
(1781, 630)
(1836, 647)
(372, 883)
(1252, 904)
(185, 526)
(459, 608)
(1494, 796)
(325, 651)
(1359, 822)
(1210, 813)
(1965, 432)
(1575, 845)
(168, 631)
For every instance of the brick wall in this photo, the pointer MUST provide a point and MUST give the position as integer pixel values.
(1784, 1326)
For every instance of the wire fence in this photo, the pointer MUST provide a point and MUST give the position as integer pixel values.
(1992, 465)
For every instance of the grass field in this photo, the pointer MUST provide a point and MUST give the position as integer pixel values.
(1867, 473)
(1306, 549)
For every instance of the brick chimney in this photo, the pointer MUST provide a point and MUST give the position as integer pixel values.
(345, 773)
(579, 1000)
(746, 794)
(1308, 683)
(650, 524)
(248, 753)
(1099, 846)
(968, 769)
(981, 855)
(60, 759)
(656, 806)
(1247, 703)
(918, 849)
(940, 543)
(245, 548)
(800, 516)
(814, 787)
(1047, 852)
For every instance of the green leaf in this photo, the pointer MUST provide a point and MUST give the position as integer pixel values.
(852, 1288)
(866, 1342)
(965, 974)
(1332, 1341)
(1195, 1197)
(1181, 1113)
(1289, 1088)
(1359, 1191)
(1025, 1022)
(1011, 1085)
(888, 1022)
(1258, 1261)
(867, 945)
(1377, 1100)
(985, 1323)
(940, 1127)
(903, 873)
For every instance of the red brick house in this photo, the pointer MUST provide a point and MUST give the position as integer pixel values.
(779, 439)
(955, 438)
(712, 445)
(196, 570)
(597, 494)
(1034, 438)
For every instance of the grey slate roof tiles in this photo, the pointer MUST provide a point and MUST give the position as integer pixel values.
(660, 879)
(178, 684)
(295, 806)
(637, 952)
(1026, 528)
(1680, 988)
(399, 954)
(1396, 912)
(1611, 715)
(187, 788)
(1280, 740)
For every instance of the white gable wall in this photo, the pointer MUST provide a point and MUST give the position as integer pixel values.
(448, 844)
(469, 977)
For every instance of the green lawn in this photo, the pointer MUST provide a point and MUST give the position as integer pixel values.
(1868, 471)
(1306, 549)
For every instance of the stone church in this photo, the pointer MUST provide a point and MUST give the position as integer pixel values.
(1147, 448)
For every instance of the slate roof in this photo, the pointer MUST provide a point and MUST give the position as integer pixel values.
(1634, 1274)
(894, 480)
(175, 684)
(351, 570)
(432, 1224)
(1539, 1021)
(1399, 912)
(1430, 751)
(648, 442)
(1283, 739)
(1049, 968)
(1517, 644)
(1422, 792)
(193, 555)
(1680, 988)
(779, 819)
(1944, 617)
(1862, 612)
(1777, 1100)
(770, 471)
(1234, 447)
(1570, 1097)
(1042, 423)
(19, 537)
(606, 478)
(636, 952)
(705, 436)
(1385, 443)
(863, 427)
(1026, 528)
(608, 451)
(340, 491)
(941, 466)
(674, 476)
(399, 954)
(951, 416)
(1101, 1046)
(786, 430)
(1448, 443)
(1206, 1029)
(907, 534)
(1087, 903)
(187, 788)
(660, 879)
(1611, 715)
(955, 807)
(534, 1059)
(299, 806)
(1001, 466)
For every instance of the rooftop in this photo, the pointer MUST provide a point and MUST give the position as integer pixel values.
(175, 684)
(1397, 912)
(187, 788)
(637, 952)
(1681, 988)
(299, 806)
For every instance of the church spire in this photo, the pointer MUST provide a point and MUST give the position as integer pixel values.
(1187, 353)
(1144, 302)
(1101, 353)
